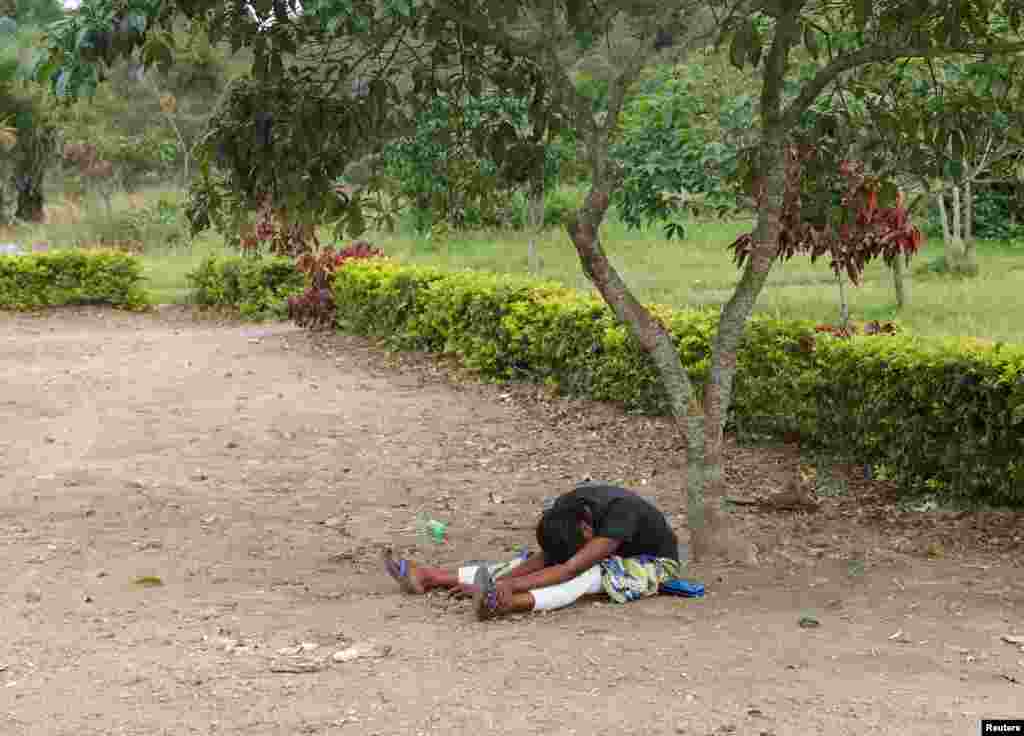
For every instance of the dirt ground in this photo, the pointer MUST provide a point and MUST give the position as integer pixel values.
(258, 470)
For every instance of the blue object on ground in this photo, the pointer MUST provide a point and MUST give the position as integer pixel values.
(685, 588)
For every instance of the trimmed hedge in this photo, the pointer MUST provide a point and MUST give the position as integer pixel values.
(258, 287)
(943, 415)
(62, 277)
(946, 416)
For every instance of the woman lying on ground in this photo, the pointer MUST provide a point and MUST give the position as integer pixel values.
(596, 539)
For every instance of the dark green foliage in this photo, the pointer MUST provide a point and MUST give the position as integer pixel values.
(466, 158)
(680, 145)
(291, 149)
(998, 214)
(59, 278)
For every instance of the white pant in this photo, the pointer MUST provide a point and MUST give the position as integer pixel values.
(554, 596)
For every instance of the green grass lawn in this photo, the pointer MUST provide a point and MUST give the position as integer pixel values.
(699, 271)
(693, 272)
(165, 269)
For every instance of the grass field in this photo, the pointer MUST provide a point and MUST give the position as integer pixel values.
(699, 271)
(696, 271)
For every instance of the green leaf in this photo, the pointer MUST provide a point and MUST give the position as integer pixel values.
(811, 42)
(756, 46)
(888, 194)
(157, 51)
(739, 49)
(862, 12)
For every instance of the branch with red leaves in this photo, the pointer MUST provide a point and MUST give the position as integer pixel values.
(867, 231)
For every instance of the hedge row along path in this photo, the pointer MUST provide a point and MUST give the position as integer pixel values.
(209, 455)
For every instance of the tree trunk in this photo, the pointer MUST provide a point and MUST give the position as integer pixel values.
(695, 502)
(714, 538)
(940, 198)
(30, 201)
(654, 340)
(535, 221)
(970, 257)
(951, 232)
(844, 305)
(899, 282)
(649, 332)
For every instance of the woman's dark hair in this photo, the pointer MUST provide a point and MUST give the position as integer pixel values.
(558, 531)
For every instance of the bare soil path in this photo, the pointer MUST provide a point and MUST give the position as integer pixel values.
(258, 470)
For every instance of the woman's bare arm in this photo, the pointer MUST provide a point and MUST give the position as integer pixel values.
(597, 549)
(530, 565)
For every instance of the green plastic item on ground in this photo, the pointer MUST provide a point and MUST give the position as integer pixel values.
(431, 529)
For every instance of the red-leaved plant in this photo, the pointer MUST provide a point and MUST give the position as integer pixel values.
(315, 307)
(870, 328)
(868, 231)
(277, 234)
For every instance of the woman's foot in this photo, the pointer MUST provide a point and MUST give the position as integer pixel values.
(405, 572)
(485, 596)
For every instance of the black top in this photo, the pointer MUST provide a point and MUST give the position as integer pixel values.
(622, 514)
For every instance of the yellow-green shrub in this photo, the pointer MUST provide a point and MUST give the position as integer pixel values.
(257, 287)
(882, 399)
(61, 277)
(941, 414)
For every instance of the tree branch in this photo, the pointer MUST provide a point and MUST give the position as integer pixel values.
(875, 55)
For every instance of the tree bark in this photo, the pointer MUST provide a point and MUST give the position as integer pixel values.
(970, 257)
(709, 532)
(951, 232)
(535, 221)
(899, 283)
(844, 305)
(714, 540)
(30, 202)
(940, 198)
(649, 332)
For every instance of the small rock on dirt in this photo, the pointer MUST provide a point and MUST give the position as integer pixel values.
(362, 651)
(299, 667)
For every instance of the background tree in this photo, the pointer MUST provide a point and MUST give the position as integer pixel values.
(28, 113)
(940, 126)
